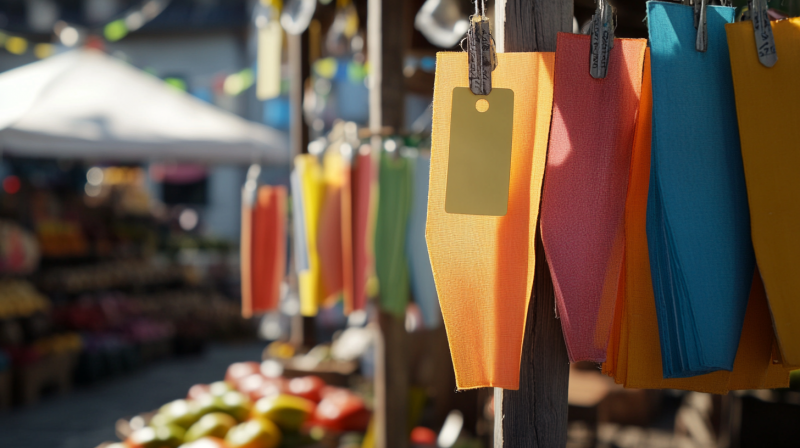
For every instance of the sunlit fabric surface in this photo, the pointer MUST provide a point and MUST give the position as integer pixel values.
(768, 107)
(268, 253)
(634, 353)
(698, 225)
(422, 284)
(583, 201)
(483, 265)
(394, 207)
(309, 281)
(361, 204)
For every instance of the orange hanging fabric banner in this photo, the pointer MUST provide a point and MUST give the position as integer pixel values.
(768, 106)
(347, 238)
(246, 252)
(637, 363)
(483, 265)
(583, 201)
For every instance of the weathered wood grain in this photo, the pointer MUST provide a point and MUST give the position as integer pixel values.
(535, 416)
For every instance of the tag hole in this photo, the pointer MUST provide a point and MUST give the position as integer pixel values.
(482, 105)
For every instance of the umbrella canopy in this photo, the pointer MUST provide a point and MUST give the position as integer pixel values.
(86, 104)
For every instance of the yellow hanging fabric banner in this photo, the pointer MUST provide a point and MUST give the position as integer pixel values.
(637, 361)
(483, 265)
(768, 107)
(312, 183)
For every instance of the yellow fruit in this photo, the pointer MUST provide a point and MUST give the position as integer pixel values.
(287, 411)
(215, 424)
(256, 433)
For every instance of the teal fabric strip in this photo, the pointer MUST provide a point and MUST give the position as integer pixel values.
(422, 284)
(698, 225)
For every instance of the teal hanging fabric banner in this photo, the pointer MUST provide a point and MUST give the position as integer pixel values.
(698, 225)
(422, 284)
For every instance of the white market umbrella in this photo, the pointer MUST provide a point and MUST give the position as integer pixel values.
(86, 104)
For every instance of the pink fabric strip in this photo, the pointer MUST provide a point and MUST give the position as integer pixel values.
(585, 184)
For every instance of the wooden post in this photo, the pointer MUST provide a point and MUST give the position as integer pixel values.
(535, 416)
(386, 31)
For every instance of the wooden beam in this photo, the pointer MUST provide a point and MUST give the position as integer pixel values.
(386, 46)
(535, 416)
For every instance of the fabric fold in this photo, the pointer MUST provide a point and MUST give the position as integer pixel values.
(586, 179)
(698, 227)
(768, 106)
(483, 265)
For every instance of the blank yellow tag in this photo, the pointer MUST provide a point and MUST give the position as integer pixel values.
(479, 168)
(270, 42)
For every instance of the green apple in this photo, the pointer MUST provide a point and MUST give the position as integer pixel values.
(167, 436)
(183, 413)
(220, 388)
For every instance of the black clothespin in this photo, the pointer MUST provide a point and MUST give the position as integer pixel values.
(482, 53)
(701, 24)
(602, 33)
(765, 42)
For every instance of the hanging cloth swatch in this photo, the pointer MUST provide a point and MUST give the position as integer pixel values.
(246, 251)
(483, 265)
(313, 189)
(422, 284)
(635, 361)
(347, 236)
(768, 105)
(583, 201)
(269, 248)
(299, 224)
(698, 224)
(394, 205)
(329, 237)
(361, 176)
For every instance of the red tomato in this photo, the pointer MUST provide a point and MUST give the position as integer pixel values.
(423, 436)
(342, 410)
(197, 391)
(308, 387)
(239, 370)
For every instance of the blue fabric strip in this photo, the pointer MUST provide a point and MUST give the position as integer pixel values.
(698, 225)
(422, 284)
